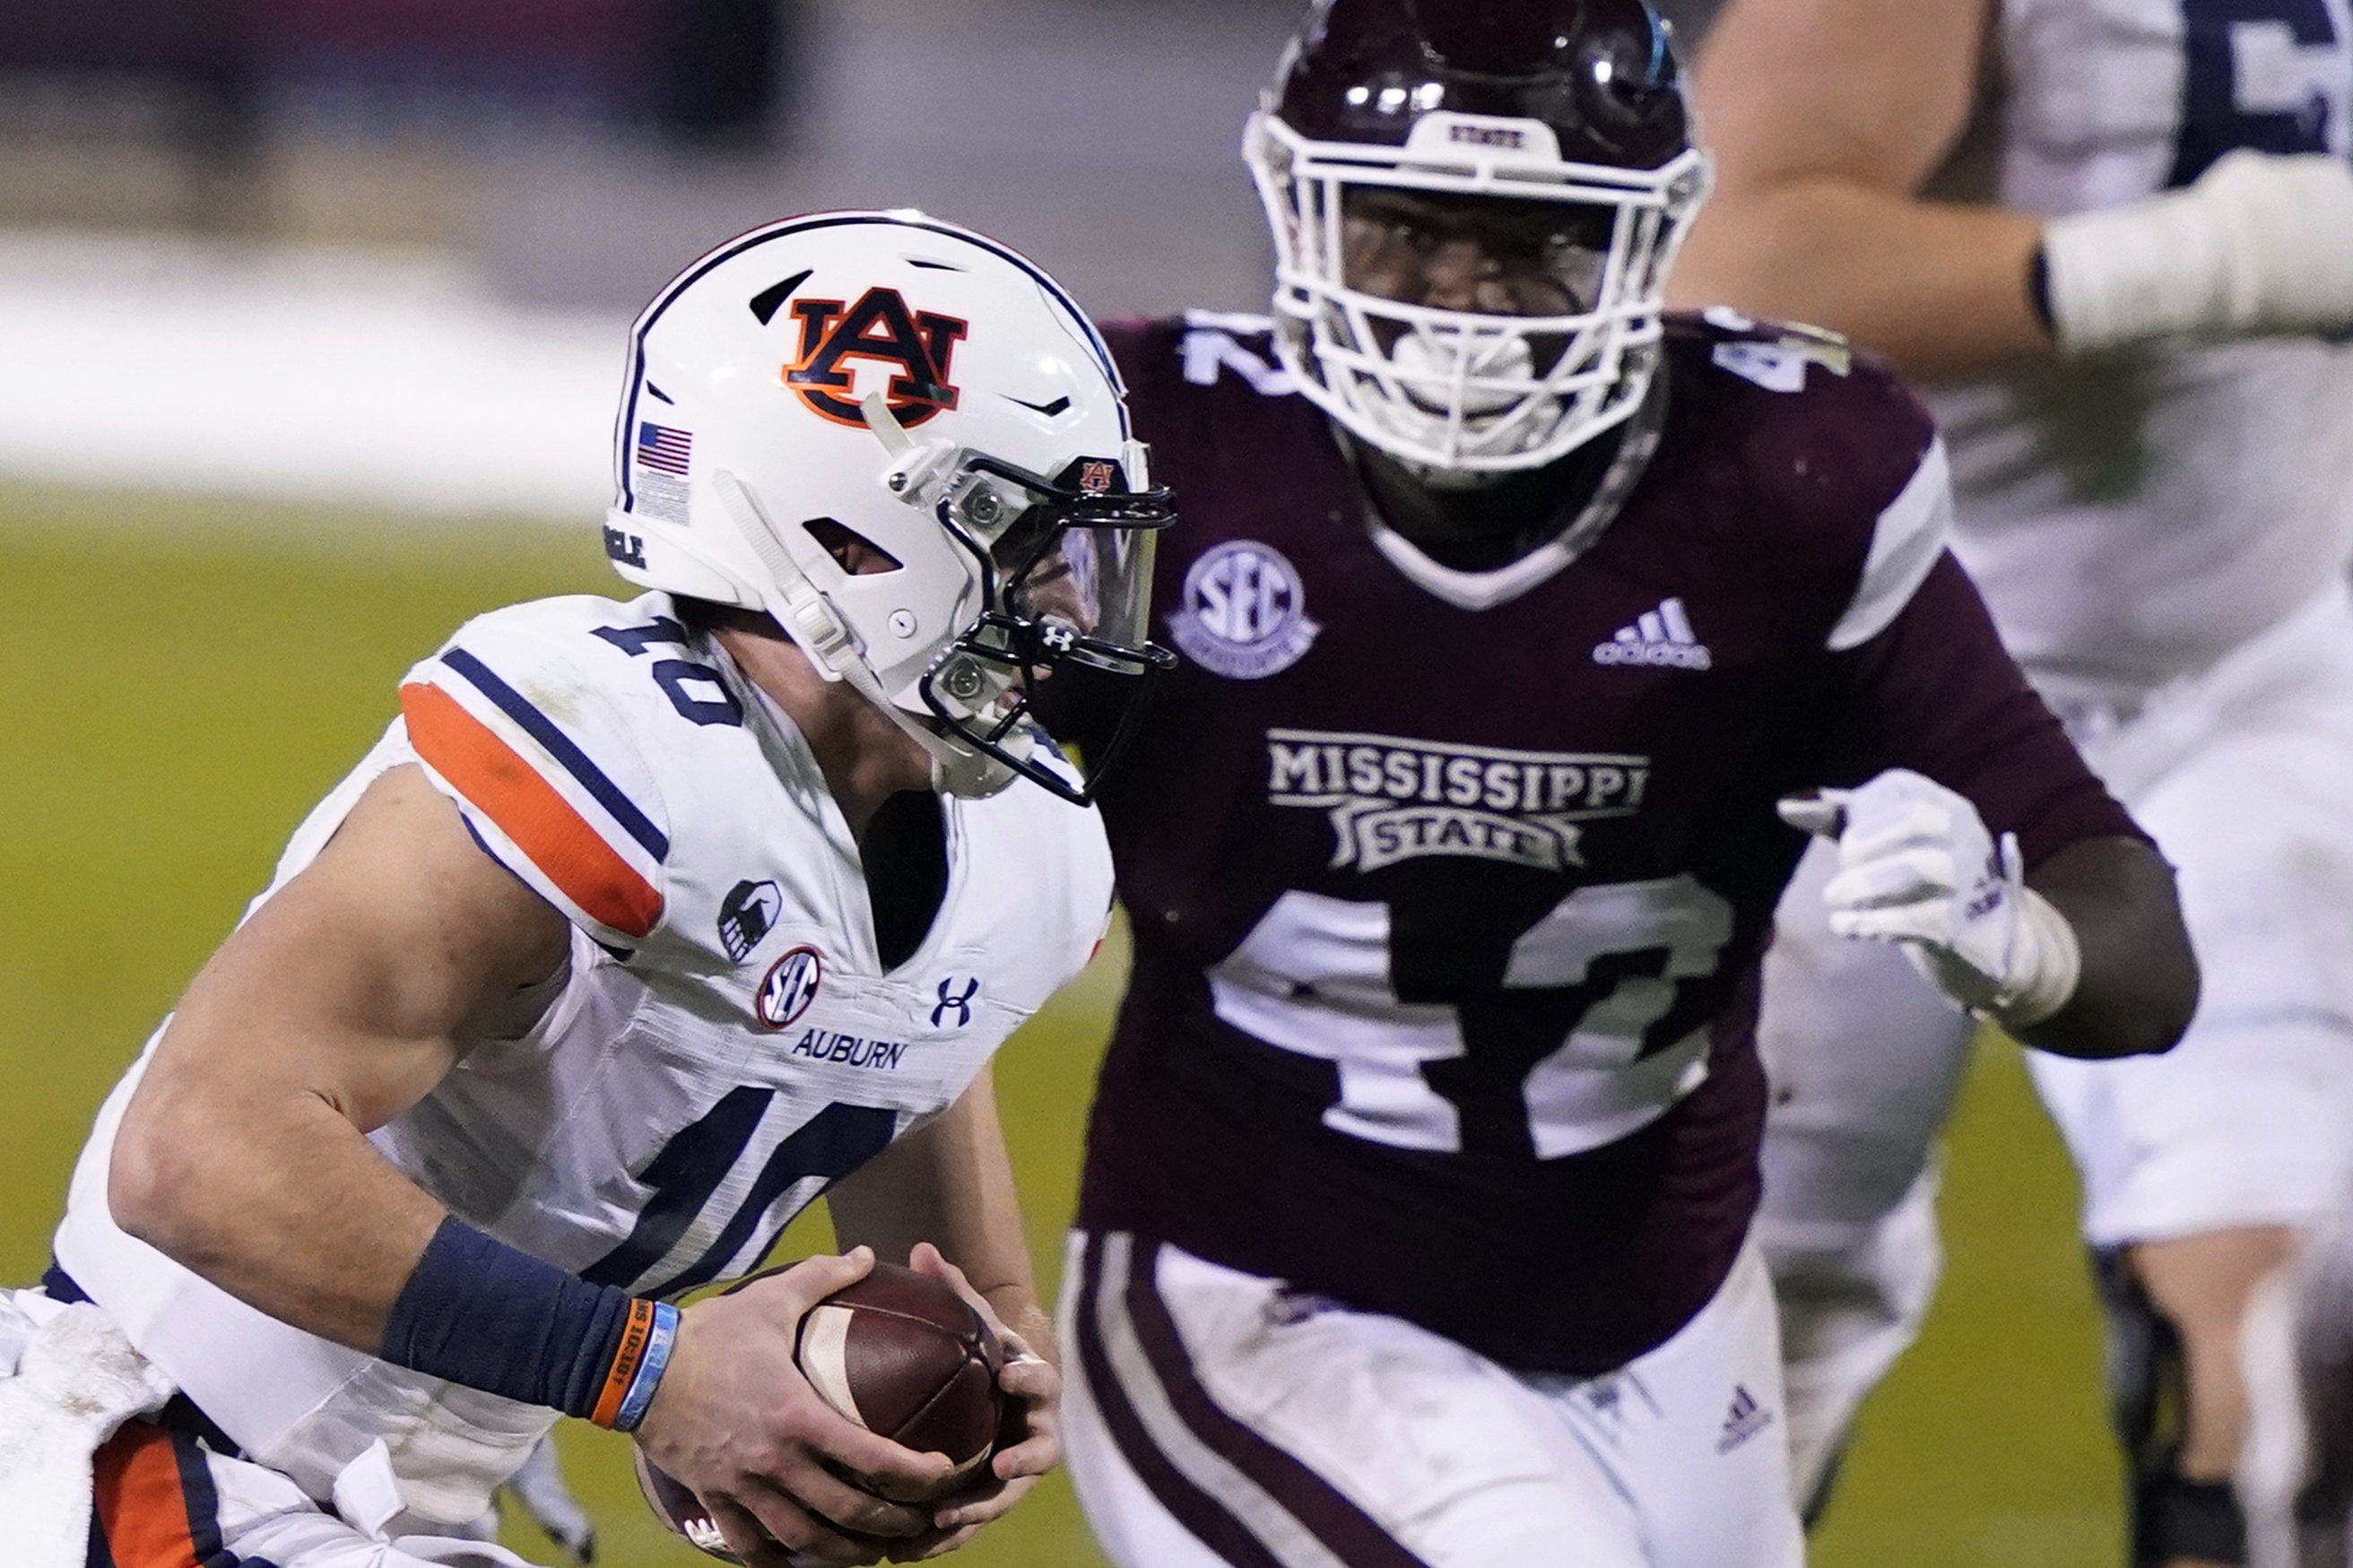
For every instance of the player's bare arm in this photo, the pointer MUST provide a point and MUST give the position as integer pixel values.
(1815, 217)
(1819, 214)
(951, 1184)
(338, 1005)
(341, 1004)
(943, 1198)
(2139, 984)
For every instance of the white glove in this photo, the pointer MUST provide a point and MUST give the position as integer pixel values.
(2259, 243)
(1917, 868)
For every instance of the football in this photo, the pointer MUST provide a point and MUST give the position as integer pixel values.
(902, 1354)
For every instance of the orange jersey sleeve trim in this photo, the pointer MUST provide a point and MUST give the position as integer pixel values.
(528, 810)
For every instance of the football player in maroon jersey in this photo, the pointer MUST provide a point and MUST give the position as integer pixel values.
(1523, 630)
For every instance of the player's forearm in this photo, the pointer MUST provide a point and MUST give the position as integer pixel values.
(2139, 982)
(294, 1212)
(276, 1199)
(1942, 290)
(950, 1183)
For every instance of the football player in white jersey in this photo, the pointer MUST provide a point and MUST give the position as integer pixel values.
(644, 925)
(2117, 237)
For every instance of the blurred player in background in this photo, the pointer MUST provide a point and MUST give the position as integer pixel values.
(2112, 233)
(1516, 621)
(645, 924)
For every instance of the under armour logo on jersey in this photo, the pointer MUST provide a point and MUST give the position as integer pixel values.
(1743, 1421)
(881, 329)
(1661, 637)
(959, 999)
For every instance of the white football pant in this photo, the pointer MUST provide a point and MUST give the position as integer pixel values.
(1214, 1420)
(1865, 1061)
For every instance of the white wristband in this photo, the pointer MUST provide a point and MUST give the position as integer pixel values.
(2046, 961)
(2259, 243)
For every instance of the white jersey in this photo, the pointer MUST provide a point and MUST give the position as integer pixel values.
(2131, 517)
(725, 1044)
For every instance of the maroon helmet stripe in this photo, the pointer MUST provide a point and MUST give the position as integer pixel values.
(1352, 1534)
(1196, 1509)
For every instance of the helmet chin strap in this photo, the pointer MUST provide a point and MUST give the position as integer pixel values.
(832, 648)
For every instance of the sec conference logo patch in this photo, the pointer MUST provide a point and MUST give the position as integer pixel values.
(1244, 614)
(790, 986)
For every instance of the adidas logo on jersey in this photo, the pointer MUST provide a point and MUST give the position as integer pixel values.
(1661, 638)
(1745, 1419)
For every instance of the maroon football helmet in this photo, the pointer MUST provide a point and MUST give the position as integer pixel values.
(1578, 102)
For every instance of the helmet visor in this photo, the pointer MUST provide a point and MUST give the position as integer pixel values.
(1071, 557)
(1070, 571)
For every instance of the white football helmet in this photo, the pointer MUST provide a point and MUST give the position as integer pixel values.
(889, 380)
(1573, 101)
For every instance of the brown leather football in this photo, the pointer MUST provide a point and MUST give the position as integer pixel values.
(676, 1507)
(902, 1354)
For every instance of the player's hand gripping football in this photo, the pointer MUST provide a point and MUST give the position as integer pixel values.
(736, 1421)
(1031, 1443)
(1918, 867)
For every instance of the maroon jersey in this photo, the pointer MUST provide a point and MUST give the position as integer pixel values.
(1449, 889)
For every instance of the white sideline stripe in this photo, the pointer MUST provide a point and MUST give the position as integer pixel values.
(824, 1356)
(1274, 1525)
(1906, 543)
(318, 375)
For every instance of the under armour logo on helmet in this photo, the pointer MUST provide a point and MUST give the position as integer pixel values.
(961, 1001)
(879, 327)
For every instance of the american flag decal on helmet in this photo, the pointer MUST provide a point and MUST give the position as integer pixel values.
(663, 448)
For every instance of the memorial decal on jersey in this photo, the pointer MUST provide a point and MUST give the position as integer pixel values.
(1393, 799)
(1244, 614)
(789, 987)
(750, 911)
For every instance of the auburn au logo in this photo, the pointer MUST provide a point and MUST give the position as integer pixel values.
(879, 327)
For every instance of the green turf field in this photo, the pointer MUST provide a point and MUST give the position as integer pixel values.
(179, 681)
